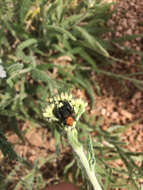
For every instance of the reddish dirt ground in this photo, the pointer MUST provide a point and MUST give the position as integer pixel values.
(120, 102)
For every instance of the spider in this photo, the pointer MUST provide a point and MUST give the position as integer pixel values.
(64, 113)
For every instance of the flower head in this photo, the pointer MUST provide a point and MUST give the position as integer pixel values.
(65, 109)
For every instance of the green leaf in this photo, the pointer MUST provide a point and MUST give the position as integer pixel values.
(40, 75)
(71, 20)
(58, 29)
(86, 85)
(57, 140)
(16, 129)
(20, 54)
(16, 67)
(127, 38)
(26, 44)
(23, 8)
(91, 157)
(93, 43)
(86, 57)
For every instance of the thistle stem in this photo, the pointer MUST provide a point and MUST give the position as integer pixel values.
(78, 149)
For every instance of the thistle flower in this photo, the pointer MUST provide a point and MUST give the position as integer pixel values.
(65, 109)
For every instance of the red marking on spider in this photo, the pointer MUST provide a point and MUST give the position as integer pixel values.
(69, 121)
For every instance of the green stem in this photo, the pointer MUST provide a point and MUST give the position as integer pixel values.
(78, 149)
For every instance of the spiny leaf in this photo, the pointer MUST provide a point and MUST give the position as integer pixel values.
(16, 67)
(94, 44)
(61, 30)
(26, 44)
(40, 76)
(71, 20)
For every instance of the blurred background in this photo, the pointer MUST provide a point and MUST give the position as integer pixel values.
(91, 49)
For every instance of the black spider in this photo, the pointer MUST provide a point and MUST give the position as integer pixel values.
(63, 112)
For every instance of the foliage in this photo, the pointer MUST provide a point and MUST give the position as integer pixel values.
(34, 34)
